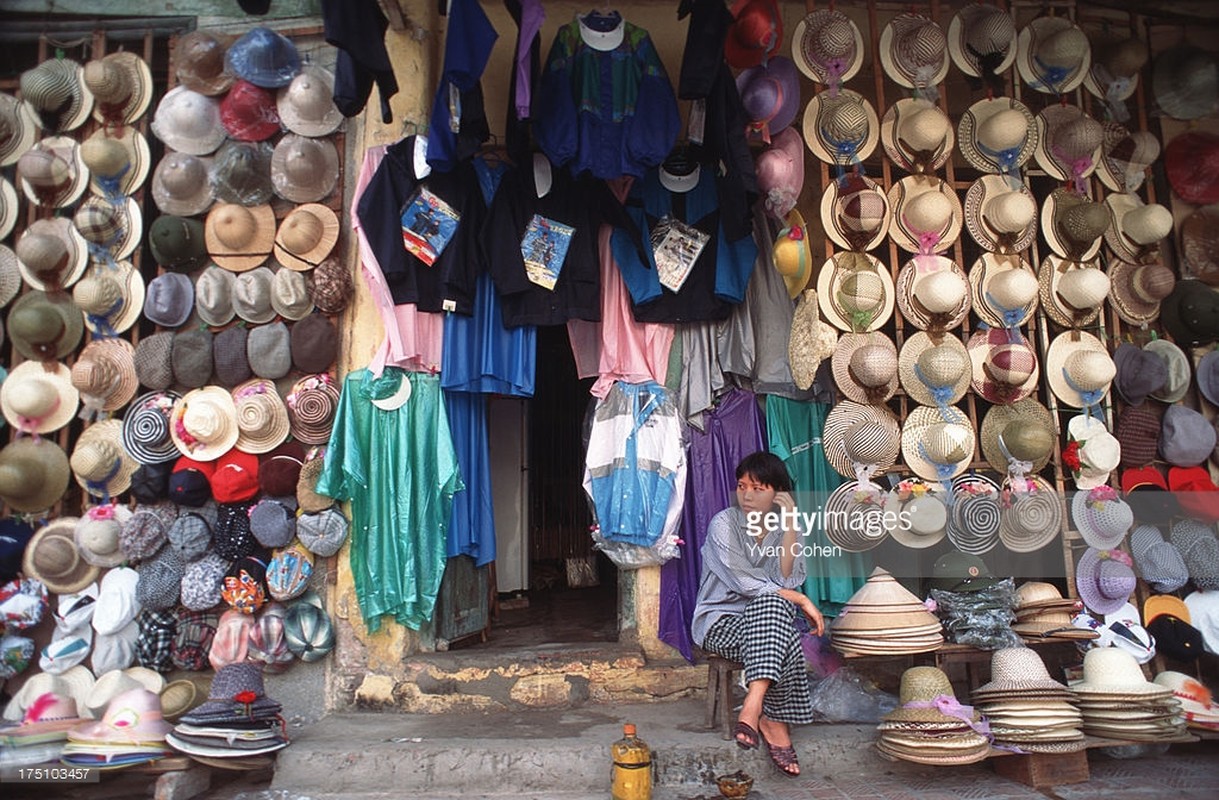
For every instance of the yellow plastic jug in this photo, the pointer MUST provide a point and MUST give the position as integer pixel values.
(632, 774)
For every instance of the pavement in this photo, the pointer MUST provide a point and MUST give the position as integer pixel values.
(564, 755)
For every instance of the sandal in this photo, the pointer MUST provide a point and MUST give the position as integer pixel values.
(746, 736)
(784, 757)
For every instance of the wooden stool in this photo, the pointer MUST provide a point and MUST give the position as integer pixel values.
(720, 673)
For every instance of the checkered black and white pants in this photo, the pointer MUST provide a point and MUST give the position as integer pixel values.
(764, 638)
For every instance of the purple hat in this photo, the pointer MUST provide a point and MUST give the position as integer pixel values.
(770, 95)
(1104, 580)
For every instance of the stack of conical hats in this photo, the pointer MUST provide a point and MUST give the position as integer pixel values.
(930, 726)
(1026, 707)
(883, 617)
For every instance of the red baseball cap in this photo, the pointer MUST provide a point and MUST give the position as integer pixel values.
(1143, 478)
(1196, 492)
(236, 478)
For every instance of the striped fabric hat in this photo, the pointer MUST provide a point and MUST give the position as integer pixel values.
(861, 434)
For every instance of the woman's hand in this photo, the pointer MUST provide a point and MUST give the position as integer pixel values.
(785, 500)
(815, 621)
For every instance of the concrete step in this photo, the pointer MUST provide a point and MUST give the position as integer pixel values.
(366, 756)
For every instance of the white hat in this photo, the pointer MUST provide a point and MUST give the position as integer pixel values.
(1053, 55)
(116, 603)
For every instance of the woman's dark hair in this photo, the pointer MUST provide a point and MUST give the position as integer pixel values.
(765, 468)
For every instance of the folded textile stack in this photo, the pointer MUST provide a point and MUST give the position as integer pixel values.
(884, 617)
(1197, 703)
(931, 726)
(1043, 613)
(131, 732)
(238, 720)
(1026, 708)
(1119, 703)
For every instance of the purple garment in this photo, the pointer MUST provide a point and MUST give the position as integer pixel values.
(532, 17)
(733, 430)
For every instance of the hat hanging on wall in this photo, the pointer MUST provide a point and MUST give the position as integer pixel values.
(770, 95)
(118, 161)
(865, 367)
(936, 448)
(56, 91)
(914, 53)
(827, 46)
(45, 326)
(855, 213)
(304, 170)
(52, 174)
(1004, 370)
(111, 230)
(1053, 55)
(755, 35)
(1136, 228)
(8, 208)
(1079, 369)
(792, 255)
(1069, 144)
(842, 130)
(873, 433)
(1125, 157)
(110, 297)
(1185, 82)
(18, 127)
(917, 135)
(933, 293)
(1114, 76)
(241, 173)
(181, 185)
(811, 341)
(927, 214)
(1136, 290)
(188, 122)
(121, 84)
(780, 172)
(200, 63)
(934, 371)
(998, 135)
(263, 57)
(982, 43)
(51, 254)
(1072, 293)
(1192, 163)
(856, 292)
(1001, 216)
(1073, 226)
(240, 238)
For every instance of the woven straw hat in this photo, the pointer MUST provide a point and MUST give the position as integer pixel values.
(181, 185)
(111, 299)
(1072, 293)
(917, 135)
(1033, 596)
(312, 404)
(975, 514)
(1125, 157)
(45, 327)
(118, 161)
(865, 367)
(1053, 55)
(1116, 64)
(1003, 290)
(878, 437)
(262, 417)
(914, 52)
(10, 276)
(884, 596)
(936, 448)
(855, 522)
(52, 558)
(203, 423)
(177, 698)
(307, 497)
(841, 130)
(56, 91)
(982, 40)
(1136, 290)
(52, 174)
(856, 292)
(304, 170)
(1025, 428)
(110, 227)
(8, 208)
(1099, 453)
(121, 84)
(188, 122)
(931, 366)
(827, 46)
(1111, 671)
(17, 128)
(1073, 225)
(1001, 218)
(924, 206)
(51, 254)
(1033, 517)
(923, 685)
(306, 106)
(104, 374)
(146, 428)
(1069, 143)
(306, 237)
(855, 213)
(39, 398)
(1079, 369)
(102, 467)
(1018, 669)
(240, 238)
(1004, 371)
(1136, 228)
(933, 293)
(97, 535)
(1102, 518)
(921, 514)
(997, 135)
(811, 340)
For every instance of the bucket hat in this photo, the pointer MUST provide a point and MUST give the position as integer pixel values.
(1000, 217)
(204, 423)
(864, 367)
(177, 243)
(188, 122)
(230, 363)
(780, 173)
(1004, 371)
(982, 42)
(199, 57)
(304, 170)
(934, 371)
(1185, 82)
(1191, 161)
(1190, 313)
(1104, 579)
(181, 184)
(315, 343)
(290, 297)
(264, 58)
(1179, 371)
(1136, 228)
(1073, 226)
(1159, 562)
(322, 532)
(118, 161)
(51, 173)
(214, 296)
(241, 173)
(1187, 438)
(792, 255)
(17, 128)
(933, 293)
(1080, 369)
(770, 96)
(269, 351)
(104, 374)
(252, 295)
(917, 135)
(153, 361)
(307, 236)
(1004, 290)
(248, 113)
(1136, 290)
(936, 448)
(856, 292)
(828, 47)
(146, 428)
(1139, 373)
(45, 327)
(1022, 432)
(51, 254)
(855, 213)
(927, 215)
(101, 466)
(861, 435)
(52, 558)
(1125, 157)
(914, 53)
(312, 404)
(998, 135)
(38, 398)
(1101, 517)
(841, 130)
(755, 34)
(239, 238)
(1069, 144)
(262, 417)
(306, 105)
(1053, 55)
(121, 85)
(111, 298)
(169, 300)
(56, 91)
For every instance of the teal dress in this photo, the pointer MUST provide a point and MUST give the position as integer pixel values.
(793, 429)
(399, 470)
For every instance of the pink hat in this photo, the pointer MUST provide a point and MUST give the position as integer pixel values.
(133, 717)
(780, 171)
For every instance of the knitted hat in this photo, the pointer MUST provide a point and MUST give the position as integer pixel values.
(153, 361)
(229, 360)
(322, 532)
(192, 358)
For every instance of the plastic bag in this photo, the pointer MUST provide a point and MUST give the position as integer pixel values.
(847, 696)
(633, 556)
(983, 618)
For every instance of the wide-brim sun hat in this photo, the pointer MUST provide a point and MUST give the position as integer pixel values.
(855, 517)
(1004, 370)
(306, 237)
(121, 84)
(146, 428)
(1185, 82)
(100, 463)
(914, 52)
(304, 170)
(852, 112)
(979, 23)
(910, 198)
(827, 46)
(1104, 579)
(975, 513)
(240, 238)
(770, 96)
(262, 417)
(856, 292)
(38, 398)
(1125, 157)
(933, 293)
(112, 299)
(1053, 55)
(1004, 290)
(51, 254)
(8, 207)
(204, 423)
(97, 535)
(1136, 290)
(1033, 426)
(188, 122)
(1072, 373)
(944, 357)
(883, 431)
(75, 683)
(792, 254)
(1009, 126)
(1069, 143)
(1111, 671)
(993, 201)
(112, 228)
(312, 405)
(55, 90)
(52, 174)
(118, 161)
(34, 474)
(23, 126)
(865, 367)
(52, 558)
(1102, 519)
(935, 447)
(855, 213)
(1072, 293)
(930, 126)
(45, 326)
(1136, 228)
(1073, 226)
(922, 516)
